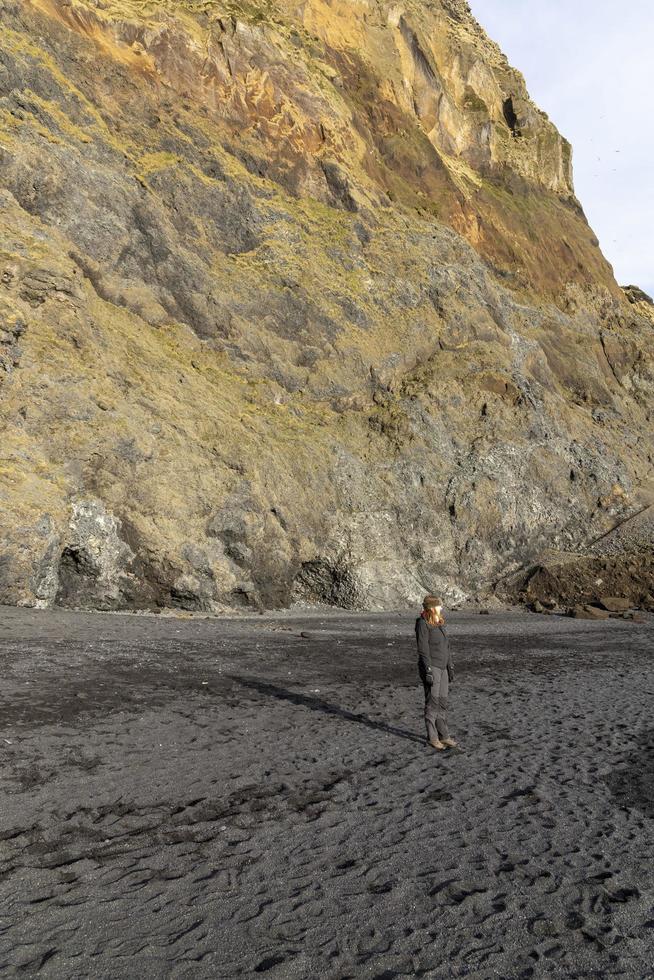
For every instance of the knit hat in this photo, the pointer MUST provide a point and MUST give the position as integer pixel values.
(430, 602)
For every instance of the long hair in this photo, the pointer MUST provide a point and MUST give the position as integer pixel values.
(432, 618)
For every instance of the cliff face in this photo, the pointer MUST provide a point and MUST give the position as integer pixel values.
(296, 301)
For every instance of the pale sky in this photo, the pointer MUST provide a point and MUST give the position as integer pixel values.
(589, 64)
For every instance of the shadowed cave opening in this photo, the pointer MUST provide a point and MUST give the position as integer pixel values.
(325, 581)
(77, 575)
(510, 116)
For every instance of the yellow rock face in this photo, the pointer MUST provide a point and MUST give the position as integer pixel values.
(296, 300)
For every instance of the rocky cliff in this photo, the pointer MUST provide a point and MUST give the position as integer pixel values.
(296, 302)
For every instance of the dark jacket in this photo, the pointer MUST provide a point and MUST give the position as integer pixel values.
(433, 649)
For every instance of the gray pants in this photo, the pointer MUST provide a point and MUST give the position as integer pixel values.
(436, 705)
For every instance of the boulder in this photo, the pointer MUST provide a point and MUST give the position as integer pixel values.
(615, 604)
(587, 611)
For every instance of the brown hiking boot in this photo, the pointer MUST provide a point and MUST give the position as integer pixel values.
(436, 744)
(449, 743)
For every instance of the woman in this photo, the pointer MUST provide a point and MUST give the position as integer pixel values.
(436, 671)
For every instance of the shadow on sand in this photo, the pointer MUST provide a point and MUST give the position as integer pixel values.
(632, 784)
(317, 704)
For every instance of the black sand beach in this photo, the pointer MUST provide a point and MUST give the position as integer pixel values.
(210, 798)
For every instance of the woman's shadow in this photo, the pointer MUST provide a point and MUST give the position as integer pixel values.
(317, 704)
(632, 782)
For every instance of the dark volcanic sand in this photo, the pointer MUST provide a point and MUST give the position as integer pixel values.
(286, 819)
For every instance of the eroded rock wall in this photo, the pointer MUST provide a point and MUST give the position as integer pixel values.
(296, 301)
